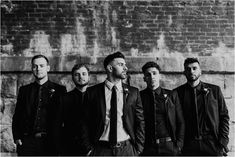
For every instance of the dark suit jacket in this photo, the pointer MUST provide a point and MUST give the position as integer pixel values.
(71, 119)
(133, 118)
(175, 120)
(215, 109)
(23, 118)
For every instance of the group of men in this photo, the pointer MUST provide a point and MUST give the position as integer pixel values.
(115, 119)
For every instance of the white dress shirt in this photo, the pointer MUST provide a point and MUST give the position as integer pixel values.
(121, 133)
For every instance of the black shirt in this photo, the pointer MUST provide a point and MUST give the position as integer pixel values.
(43, 94)
(196, 123)
(159, 109)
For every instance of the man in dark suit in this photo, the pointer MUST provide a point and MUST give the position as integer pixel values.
(164, 123)
(33, 120)
(73, 133)
(115, 113)
(205, 112)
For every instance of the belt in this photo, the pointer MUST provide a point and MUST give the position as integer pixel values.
(163, 140)
(117, 145)
(40, 135)
(201, 137)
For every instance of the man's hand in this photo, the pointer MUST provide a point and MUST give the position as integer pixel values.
(18, 142)
(89, 153)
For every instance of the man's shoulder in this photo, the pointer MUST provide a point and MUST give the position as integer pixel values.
(95, 87)
(128, 88)
(27, 86)
(209, 85)
(180, 87)
(56, 85)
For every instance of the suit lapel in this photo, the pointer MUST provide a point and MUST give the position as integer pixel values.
(205, 95)
(125, 98)
(32, 102)
(102, 101)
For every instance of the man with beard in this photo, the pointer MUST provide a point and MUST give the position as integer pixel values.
(72, 109)
(164, 123)
(33, 120)
(205, 112)
(115, 114)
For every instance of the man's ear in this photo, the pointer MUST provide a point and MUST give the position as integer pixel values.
(48, 68)
(144, 79)
(109, 68)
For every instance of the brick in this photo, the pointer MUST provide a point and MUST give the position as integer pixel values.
(7, 111)
(8, 86)
(214, 79)
(7, 143)
(229, 63)
(212, 63)
(171, 81)
(229, 87)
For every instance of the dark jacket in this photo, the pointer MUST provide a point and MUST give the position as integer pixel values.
(24, 116)
(133, 118)
(71, 119)
(175, 120)
(215, 109)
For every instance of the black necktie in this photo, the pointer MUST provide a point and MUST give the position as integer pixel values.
(196, 109)
(113, 117)
(154, 114)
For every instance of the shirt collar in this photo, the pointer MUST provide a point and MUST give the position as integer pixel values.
(198, 87)
(110, 85)
(157, 90)
(44, 85)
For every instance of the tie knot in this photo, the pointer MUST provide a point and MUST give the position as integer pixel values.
(114, 87)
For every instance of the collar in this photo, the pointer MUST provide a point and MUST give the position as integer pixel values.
(110, 85)
(45, 85)
(156, 91)
(77, 90)
(198, 87)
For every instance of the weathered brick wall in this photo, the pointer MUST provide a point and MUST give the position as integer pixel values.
(69, 32)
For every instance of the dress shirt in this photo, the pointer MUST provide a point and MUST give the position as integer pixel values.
(160, 118)
(121, 133)
(41, 101)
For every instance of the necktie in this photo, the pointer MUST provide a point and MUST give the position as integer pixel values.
(196, 109)
(113, 117)
(154, 115)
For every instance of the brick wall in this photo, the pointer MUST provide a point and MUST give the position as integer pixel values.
(69, 32)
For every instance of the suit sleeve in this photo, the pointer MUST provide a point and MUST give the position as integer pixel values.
(85, 122)
(18, 115)
(58, 119)
(180, 125)
(140, 125)
(223, 120)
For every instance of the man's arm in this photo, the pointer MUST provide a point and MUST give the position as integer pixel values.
(223, 120)
(140, 125)
(180, 125)
(16, 120)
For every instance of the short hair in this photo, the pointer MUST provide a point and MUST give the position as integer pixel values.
(188, 61)
(78, 66)
(150, 64)
(39, 56)
(111, 57)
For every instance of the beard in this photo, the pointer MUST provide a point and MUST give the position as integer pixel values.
(193, 78)
(120, 75)
(81, 85)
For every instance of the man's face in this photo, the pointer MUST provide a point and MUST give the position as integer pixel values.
(81, 77)
(119, 69)
(192, 71)
(152, 77)
(40, 68)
